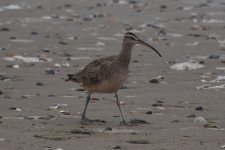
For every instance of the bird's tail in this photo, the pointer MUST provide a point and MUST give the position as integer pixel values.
(73, 78)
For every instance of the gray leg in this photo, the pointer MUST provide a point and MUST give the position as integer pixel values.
(85, 108)
(118, 104)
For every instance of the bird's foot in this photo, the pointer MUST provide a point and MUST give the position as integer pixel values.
(124, 123)
(86, 121)
(136, 122)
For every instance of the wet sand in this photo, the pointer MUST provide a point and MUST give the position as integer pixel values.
(180, 96)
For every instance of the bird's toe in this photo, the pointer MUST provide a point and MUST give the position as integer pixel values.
(124, 123)
(86, 121)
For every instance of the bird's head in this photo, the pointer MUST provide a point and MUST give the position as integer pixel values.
(133, 39)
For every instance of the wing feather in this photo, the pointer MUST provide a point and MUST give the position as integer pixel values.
(98, 70)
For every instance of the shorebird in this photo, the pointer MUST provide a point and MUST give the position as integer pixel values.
(107, 75)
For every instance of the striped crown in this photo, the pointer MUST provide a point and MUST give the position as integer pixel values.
(131, 36)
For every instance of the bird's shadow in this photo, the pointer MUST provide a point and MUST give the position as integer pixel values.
(132, 122)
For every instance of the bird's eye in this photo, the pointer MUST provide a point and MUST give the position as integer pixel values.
(131, 38)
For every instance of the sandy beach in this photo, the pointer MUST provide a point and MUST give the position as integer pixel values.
(176, 102)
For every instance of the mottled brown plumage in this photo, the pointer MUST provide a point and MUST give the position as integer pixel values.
(107, 75)
(104, 75)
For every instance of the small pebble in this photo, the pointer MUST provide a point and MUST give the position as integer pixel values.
(87, 19)
(48, 148)
(16, 66)
(63, 43)
(14, 108)
(108, 129)
(99, 43)
(12, 38)
(73, 38)
(57, 65)
(4, 78)
(81, 131)
(138, 141)
(39, 7)
(51, 95)
(194, 35)
(149, 112)
(210, 126)
(4, 29)
(135, 61)
(67, 5)
(122, 103)
(200, 120)
(9, 66)
(34, 33)
(24, 97)
(44, 57)
(65, 64)
(201, 62)
(2, 49)
(157, 105)
(47, 36)
(175, 121)
(159, 101)
(46, 50)
(64, 112)
(49, 117)
(39, 84)
(117, 147)
(191, 116)
(199, 27)
(53, 107)
(159, 108)
(133, 2)
(154, 81)
(50, 71)
(94, 99)
(199, 108)
(214, 57)
(163, 6)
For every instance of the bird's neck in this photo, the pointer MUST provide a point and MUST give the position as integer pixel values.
(125, 54)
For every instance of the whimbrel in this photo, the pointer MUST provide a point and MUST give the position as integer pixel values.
(107, 75)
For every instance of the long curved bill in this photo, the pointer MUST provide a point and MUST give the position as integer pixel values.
(148, 45)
